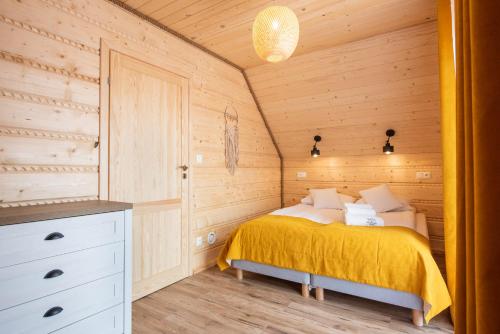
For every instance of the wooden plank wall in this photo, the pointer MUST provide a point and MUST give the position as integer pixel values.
(350, 174)
(350, 94)
(49, 114)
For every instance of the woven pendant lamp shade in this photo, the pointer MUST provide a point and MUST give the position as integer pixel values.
(275, 33)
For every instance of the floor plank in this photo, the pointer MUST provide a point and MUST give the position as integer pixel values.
(216, 302)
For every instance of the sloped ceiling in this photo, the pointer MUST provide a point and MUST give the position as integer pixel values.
(352, 93)
(361, 66)
(225, 26)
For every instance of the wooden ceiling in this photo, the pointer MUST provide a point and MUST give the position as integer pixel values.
(225, 26)
(361, 67)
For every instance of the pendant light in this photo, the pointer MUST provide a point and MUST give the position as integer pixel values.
(275, 33)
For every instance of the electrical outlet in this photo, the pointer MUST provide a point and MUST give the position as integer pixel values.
(199, 158)
(199, 241)
(423, 175)
(301, 174)
(211, 238)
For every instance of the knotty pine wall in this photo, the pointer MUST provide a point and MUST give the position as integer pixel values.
(350, 94)
(49, 114)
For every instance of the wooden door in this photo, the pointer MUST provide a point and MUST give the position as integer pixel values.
(147, 147)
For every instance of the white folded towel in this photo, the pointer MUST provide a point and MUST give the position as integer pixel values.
(363, 220)
(362, 212)
(360, 209)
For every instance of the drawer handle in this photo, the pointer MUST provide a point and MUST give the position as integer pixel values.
(53, 273)
(54, 236)
(53, 311)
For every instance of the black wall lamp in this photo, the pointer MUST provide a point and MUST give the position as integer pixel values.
(388, 148)
(315, 151)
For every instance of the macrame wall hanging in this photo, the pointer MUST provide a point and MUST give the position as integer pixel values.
(231, 135)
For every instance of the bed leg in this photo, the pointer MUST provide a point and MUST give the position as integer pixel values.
(305, 290)
(417, 317)
(239, 274)
(320, 294)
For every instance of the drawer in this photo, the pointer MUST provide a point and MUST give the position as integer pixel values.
(32, 241)
(67, 307)
(32, 280)
(106, 322)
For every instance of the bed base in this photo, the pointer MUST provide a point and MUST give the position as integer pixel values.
(319, 283)
(264, 269)
(389, 296)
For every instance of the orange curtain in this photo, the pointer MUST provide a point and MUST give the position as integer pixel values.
(471, 159)
(449, 140)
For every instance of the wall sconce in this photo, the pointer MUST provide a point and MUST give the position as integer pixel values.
(388, 148)
(315, 151)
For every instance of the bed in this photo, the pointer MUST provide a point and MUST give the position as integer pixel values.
(339, 258)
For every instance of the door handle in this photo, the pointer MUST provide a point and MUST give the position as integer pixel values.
(184, 168)
(53, 311)
(54, 236)
(53, 273)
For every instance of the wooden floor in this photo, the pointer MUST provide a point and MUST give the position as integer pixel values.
(215, 302)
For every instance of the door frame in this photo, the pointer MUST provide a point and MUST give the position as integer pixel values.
(108, 45)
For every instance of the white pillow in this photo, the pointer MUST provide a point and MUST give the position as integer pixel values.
(343, 197)
(381, 198)
(307, 200)
(326, 199)
(405, 205)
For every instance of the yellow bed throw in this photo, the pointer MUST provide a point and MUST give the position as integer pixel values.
(391, 257)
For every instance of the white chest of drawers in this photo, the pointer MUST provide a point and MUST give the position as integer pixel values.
(66, 268)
